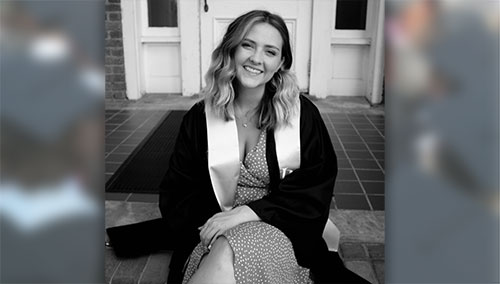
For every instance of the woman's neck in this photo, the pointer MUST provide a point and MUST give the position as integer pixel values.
(249, 98)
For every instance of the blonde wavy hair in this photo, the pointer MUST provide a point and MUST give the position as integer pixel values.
(279, 103)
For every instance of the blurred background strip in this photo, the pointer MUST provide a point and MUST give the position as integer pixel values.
(442, 183)
(51, 117)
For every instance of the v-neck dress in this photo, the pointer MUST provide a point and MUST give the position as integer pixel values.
(262, 253)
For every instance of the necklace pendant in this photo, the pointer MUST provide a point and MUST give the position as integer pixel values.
(245, 125)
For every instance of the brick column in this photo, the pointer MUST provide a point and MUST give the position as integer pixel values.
(115, 70)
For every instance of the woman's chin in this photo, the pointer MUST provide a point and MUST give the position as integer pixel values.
(250, 84)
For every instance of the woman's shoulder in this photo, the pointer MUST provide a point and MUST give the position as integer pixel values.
(196, 111)
(195, 116)
(198, 107)
(308, 108)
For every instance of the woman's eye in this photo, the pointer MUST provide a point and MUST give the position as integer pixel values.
(271, 52)
(246, 45)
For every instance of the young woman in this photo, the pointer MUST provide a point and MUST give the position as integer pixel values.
(251, 178)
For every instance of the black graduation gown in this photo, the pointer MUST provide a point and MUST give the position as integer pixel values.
(298, 205)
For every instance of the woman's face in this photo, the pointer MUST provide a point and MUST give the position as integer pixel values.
(258, 56)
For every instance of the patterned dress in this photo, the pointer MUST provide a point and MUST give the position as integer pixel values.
(262, 253)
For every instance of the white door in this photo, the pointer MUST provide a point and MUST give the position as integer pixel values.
(159, 46)
(297, 16)
(354, 23)
(151, 47)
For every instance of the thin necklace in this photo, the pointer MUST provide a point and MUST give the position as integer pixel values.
(247, 119)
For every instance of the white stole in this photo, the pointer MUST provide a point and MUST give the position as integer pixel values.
(224, 165)
(223, 158)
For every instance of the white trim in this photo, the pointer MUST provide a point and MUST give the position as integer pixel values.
(356, 41)
(320, 47)
(140, 50)
(131, 49)
(349, 33)
(371, 17)
(189, 25)
(155, 39)
(378, 70)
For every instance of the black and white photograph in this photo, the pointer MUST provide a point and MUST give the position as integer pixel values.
(249, 141)
(253, 139)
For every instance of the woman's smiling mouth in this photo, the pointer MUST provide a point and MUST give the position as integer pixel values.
(252, 70)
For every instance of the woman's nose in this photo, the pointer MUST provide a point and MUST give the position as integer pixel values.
(256, 58)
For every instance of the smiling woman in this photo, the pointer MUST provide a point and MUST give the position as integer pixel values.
(254, 209)
(258, 57)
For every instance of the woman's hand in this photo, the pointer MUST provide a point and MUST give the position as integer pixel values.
(221, 222)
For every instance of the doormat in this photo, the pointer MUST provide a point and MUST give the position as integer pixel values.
(144, 169)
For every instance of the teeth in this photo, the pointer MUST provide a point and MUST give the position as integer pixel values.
(252, 70)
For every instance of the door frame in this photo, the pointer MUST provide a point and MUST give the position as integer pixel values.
(189, 25)
(131, 49)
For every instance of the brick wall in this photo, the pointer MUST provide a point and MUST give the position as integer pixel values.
(115, 70)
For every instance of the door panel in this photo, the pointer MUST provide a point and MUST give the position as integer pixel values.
(162, 68)
(348, 66)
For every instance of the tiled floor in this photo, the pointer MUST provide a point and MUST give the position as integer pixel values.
(358, 140)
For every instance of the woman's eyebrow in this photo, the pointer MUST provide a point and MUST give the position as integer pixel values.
(266, 45)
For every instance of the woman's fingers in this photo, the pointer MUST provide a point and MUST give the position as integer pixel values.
(219, 223)
(210, 229)
(203, 236)
(206, 226)
(214, 238)
(204, 229)
(210, 235)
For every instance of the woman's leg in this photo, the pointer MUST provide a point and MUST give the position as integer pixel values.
(217, 267)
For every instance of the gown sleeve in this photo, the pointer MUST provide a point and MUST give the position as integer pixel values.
(299, 204)
(186, 198)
